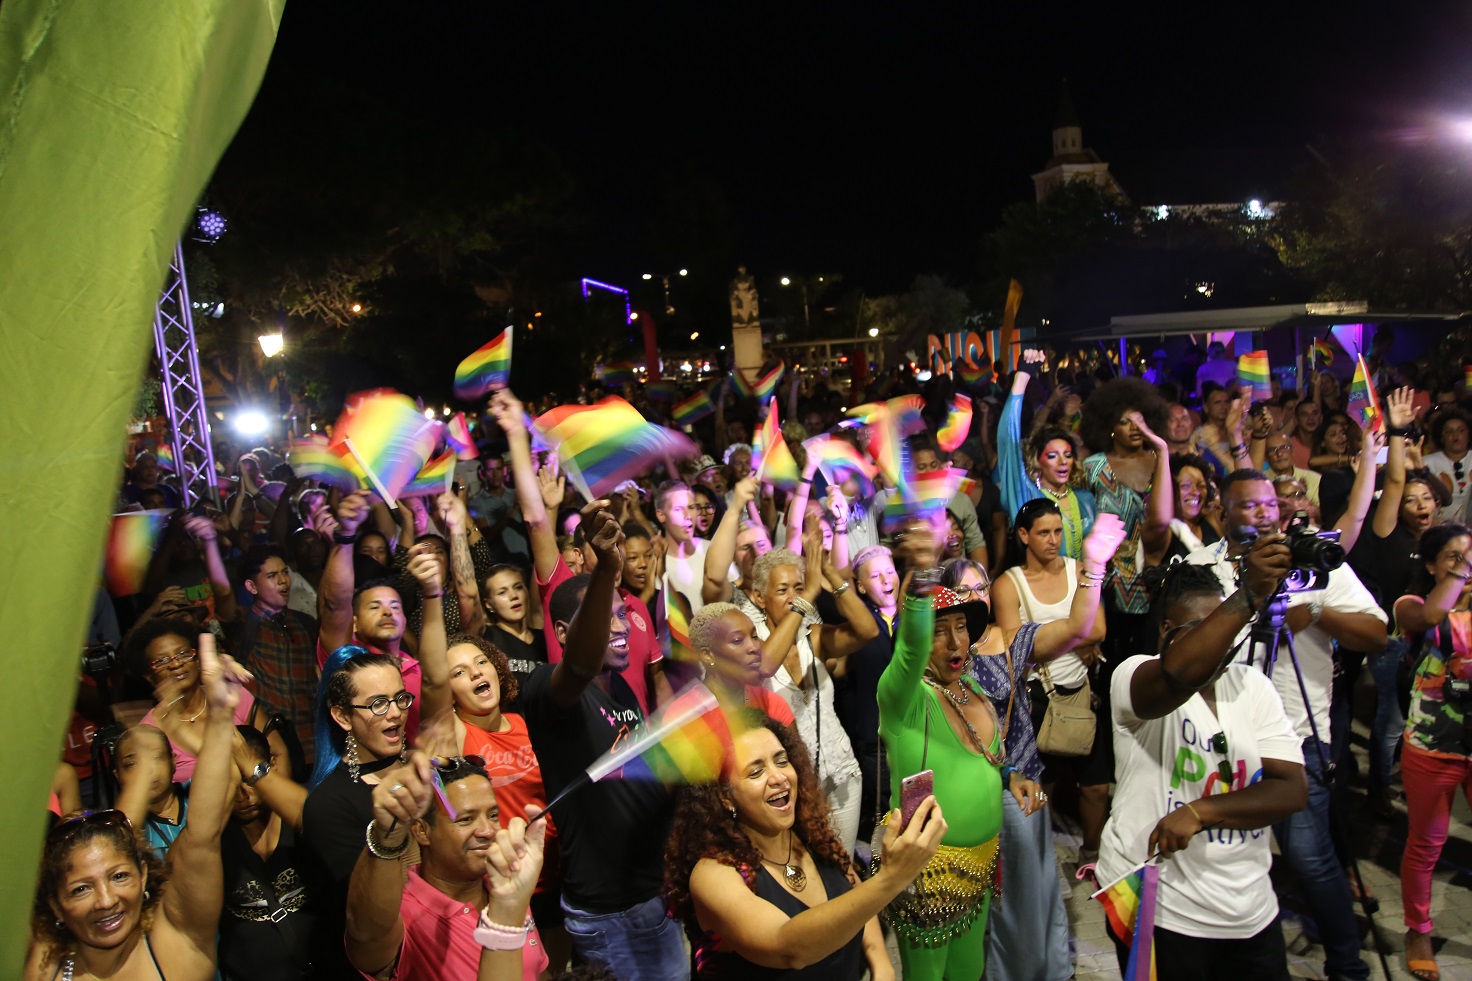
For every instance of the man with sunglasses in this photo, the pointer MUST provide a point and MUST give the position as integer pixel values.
(430, 927)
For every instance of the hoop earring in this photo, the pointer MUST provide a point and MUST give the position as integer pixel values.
(350, 756)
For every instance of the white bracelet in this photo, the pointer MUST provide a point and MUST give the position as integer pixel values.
(497, 936)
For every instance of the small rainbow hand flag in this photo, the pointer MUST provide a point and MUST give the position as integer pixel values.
(487, 370)
(434, 479)
(165, 456)
(391, 435)
(1323, 352)
(1467, 375)
(458, 438)
(677, 622)
(617, 374)
(1129, 905)
(685, 741)
(770, 457)
(1253, 369)
(662, 389)
(838, 459)
(922, 496)
(763, 387)
(1363, 405)
(693, 409)
(968, 373)
(314, 458)
(889, 423)
(131, 542)
(958, 424)
(602, 445)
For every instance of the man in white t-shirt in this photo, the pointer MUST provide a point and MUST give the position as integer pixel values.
(1452, 465)
(684, 558)
(1344, 611)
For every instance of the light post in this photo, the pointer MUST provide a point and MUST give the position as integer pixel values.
(669, 308)
(802, 283)
(271, 346)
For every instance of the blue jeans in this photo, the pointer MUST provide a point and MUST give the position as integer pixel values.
(637, 944)
(1389, 724)
(1308, 850)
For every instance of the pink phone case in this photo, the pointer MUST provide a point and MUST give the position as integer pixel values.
(913, 790)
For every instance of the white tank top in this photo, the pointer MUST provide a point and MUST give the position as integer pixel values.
(1066, 670)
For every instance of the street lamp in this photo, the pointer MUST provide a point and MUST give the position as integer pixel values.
(873, 331)
(803, 283)
(669, 308)
(271, 344)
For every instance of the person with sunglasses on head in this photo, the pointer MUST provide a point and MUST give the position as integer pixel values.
(162, 653)
(107, 907)
(1205, 751)
(434, 926)
(1451, 464)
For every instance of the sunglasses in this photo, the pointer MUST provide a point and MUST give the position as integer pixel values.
(453, 765)
(379, 705)
(110, 818)
(1224, 768)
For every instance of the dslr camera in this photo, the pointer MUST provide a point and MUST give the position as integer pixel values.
(1315, 555)
(99, 660)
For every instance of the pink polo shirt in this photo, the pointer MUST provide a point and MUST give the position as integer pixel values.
(439, 938)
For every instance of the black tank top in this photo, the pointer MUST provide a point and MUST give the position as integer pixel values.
(844, 964)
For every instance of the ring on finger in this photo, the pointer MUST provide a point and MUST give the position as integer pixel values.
(396, 788)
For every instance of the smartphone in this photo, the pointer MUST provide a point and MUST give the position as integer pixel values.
(913, 790)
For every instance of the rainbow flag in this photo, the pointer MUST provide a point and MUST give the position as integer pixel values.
(685, 741)
(889, 423)
(1253, 369)
(693, 409)
(390, 433)
(922, 496)
(1321, 351)
(487, 370)
(763, 387)
(958, 424)
(662, 390)
(1363, 405)
(968, 373)
(1467, 376)
(131, 542)
(838, 459)
(602, 445)
(1129, 905)
(966, 486)
(618, 374)
(770, 458)
(316, 459)
(434, 477)
(677, 621)
(458, 438)
(164, 453)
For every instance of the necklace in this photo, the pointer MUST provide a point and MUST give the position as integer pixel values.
(1049, 492)
(963, 699)
(796, 878)
(970, 729)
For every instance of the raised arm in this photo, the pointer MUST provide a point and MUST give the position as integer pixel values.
(797, 508)
(1161, 508)
(586, 648)
(1416, 615)
(433, 661)
(281, 524)
(722, 552)
(1237, 448)
(335, 591)
(509, 414)
(203, 531)
(859, 627)
(1362, 493)
(1398, 414)
(1061, 636)
(837, 506)
(899, 685)
(513, 864)
(456, 519)
(1010, 475)
(280, 793)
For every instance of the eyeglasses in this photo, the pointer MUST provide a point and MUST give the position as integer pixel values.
(1296, 495)
(705, 509)
(180, 658)
(966, 592)
(1280, 450)
(1224, 768)
(379, 706)
(110, 818)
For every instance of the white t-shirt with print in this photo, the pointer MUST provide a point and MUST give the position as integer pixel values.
(687, 575)
(1344, 594)
(1218, 886)
(1442, 466)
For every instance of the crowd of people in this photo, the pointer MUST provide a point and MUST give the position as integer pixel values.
(351, 718)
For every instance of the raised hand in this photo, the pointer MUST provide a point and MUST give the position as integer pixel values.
(220, 676)
(1033, 356)
(553, 486)
(603, 534)
(920, 545)
(513, 864)
(1236, 412)
(402, 796)
(425, 568)
(743, 493)
(352, 511)
(452, 512)
(812, 557)
(201, 528)
(1149, 434)
(1104, 540)
(1398, 409)
(508, 412)
(1268, 563)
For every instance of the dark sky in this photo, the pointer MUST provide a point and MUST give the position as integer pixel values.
(876, 142)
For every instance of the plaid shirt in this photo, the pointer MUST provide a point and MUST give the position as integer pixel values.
(280, 649)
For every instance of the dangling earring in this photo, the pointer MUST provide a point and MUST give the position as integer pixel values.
(733, 814)
(147, 895)
(350, 756)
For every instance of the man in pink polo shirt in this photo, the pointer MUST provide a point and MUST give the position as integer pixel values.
(425, 929)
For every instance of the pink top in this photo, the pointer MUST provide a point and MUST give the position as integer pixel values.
(183, 759)
(644, 648)
(439, 938)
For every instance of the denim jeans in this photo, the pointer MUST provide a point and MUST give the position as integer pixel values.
(1389, 724)
(637, 944)
(1308, 851)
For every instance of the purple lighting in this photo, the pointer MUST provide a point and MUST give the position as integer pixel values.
(595, 284)
(210, 225)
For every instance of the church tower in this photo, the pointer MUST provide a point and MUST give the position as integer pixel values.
(1071, 159)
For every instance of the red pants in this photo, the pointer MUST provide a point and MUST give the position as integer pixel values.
(1431, 784)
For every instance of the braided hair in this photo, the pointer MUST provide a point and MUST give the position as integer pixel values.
(1168, 585)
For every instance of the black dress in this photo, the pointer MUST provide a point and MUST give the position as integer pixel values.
(844, 964)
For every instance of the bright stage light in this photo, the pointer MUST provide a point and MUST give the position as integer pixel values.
(250, 423)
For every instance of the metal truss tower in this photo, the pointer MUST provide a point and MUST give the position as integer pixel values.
(183, 389)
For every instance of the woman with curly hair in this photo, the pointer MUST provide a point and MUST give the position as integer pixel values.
(106, 907)
(1049, 467)
(762, 883)
(1198, 520)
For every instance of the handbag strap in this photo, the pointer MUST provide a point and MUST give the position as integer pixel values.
(1011, 694)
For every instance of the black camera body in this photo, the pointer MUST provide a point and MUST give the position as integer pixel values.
(1315, 555)
(99, 660)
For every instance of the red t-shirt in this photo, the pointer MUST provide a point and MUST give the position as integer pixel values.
(644, 648)
(408, 667)
(512, 765)
(771, 703)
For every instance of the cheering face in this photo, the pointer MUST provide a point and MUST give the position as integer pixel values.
(457, 848)
(617, 656)
(636, 563)
(1055, 463)
(878, 582)
(678, 516)
(1454, 437)
(1190, 493)
(763, 790)
(1044, 539)
(1309, 418)
(506, 596)
(704, 511)
(1178, 424)
(1280, 453)
(171, 660)
(1254, 503)
(100, 901)
(381, 736)
(1453, 558)
(1336, 438)
(1417, 507)
(474, 684)
(740, 463)
(954, 539)
(735, 653)
(379, 617)
(374, 546)
(420, 514)
(272, 585)
(784, 585)
(950, 644)
(751, 544)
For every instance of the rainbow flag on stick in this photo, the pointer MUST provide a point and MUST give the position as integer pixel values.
(388, 436)
(434, 478)
(165, 456)
(958, 424)
(131, 542)
(1467, 376)
(487, 370)
(922, 496)
(602, 445)
(458, 438)
(618, 374)
(1253, 369)
(1129, 905)
(316, 459)
(693, 409)
(763, 387)
(1321, 351)
(838, 459)
(889, 423)
(1363, 405)
(770, 457)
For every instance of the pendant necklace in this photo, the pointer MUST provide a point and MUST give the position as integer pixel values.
(796, 878)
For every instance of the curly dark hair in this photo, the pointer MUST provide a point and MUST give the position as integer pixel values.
(54, 938)
(704, 828)
(504, 678)
(1446, 416)
(135, 648)
(1179, 461)
(1113, 399)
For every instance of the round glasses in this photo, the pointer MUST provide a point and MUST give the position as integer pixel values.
(379, 705)
(181, 657)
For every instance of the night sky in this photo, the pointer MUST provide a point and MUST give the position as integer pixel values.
(879, 144)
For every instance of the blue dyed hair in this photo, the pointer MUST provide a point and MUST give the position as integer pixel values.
(337, 688)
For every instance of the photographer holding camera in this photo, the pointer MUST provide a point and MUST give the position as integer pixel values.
(1334, 606)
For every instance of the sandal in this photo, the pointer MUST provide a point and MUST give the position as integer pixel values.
(1424, 970)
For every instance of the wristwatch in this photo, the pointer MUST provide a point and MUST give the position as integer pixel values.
(342, 539)
(257, 774)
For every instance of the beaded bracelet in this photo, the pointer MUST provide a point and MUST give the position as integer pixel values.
(498, 936)
(379, 850)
